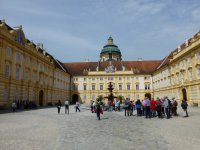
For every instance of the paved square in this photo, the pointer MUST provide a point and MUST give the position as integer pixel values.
(44, 129)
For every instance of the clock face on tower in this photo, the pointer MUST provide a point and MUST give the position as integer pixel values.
(110, 69)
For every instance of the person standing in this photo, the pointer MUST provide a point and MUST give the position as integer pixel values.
(184, 106)
(91, 106)
(159, 108)
(147, 108)
(59, 106)
(77, 106)
(67, 106)
(174, 106)
(98, 110)
(138, 107)
(153, 105)
(166, 107)
(14, 106)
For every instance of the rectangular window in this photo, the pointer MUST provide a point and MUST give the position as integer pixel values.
(128, 78)
(190, 75)
(120, 78)
(84, 79)
(8, 52)
(84, 87)
(120, 87)
(93, 87)
(7, 70)
(128, 86)
(101, 78)
(198, 72)
(137, 86)
(93, 78)
(110, 78)
(101, 86)
(17, 73)
(145, 86)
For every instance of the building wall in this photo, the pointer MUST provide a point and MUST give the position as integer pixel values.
(25, 72)
(183, 72)
(122, 78)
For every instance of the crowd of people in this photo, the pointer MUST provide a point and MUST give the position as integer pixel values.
(161, 108)
(20, 105)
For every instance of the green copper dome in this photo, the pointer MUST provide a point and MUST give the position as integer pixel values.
(110, 47)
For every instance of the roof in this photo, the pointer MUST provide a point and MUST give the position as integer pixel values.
(110, 47)
(138, 67)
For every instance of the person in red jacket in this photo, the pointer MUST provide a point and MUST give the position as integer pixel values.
(153, 107)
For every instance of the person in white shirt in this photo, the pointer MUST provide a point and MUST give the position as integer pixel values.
(77, 106)
(166, 107)
(66, 106)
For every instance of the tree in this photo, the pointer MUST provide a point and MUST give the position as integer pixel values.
(121, 98)
(100, 98)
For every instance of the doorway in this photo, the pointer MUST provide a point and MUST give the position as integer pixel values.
(41, 96)
(74, 98)
(184, 92)
(148, 95)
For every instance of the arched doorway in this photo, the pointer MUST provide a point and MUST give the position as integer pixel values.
(41, 95)
(184, 92)
(74, 98)
(148, 95)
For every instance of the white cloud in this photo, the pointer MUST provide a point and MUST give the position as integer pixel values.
(62, 38)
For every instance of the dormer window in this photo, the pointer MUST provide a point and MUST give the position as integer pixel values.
(20, 38)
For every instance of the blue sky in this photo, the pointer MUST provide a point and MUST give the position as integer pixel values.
(75, 30)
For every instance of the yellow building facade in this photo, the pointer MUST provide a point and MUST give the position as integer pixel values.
(179, 73)
(28, 72)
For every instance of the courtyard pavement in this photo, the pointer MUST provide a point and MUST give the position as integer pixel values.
(44, 129)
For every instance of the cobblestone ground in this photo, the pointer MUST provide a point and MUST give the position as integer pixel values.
(44, 129)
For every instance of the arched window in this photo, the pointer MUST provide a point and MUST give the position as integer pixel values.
(7, 70)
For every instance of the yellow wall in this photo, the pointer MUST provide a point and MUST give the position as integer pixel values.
(37, 72)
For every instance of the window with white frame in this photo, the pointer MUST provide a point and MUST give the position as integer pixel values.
(101, 86)
(147, 86)
(128, 87)
(110, 78)
(197, 56)
(7, 70)
(137, 87)
(182, 77)
(93, 87)
(8, 52)
(84, 87)
(120, 86)
(198, 71)
(120, 78)
(101, 78)
(27, 74)
(190, 74)
(17, 72)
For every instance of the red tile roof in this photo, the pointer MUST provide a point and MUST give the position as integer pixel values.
(138, 67)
